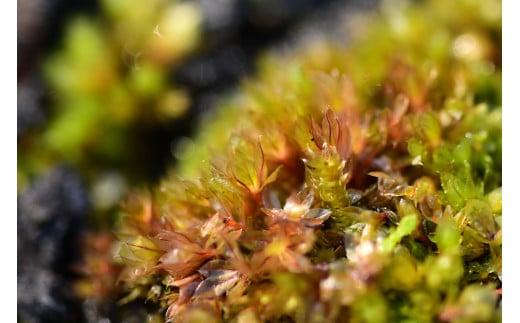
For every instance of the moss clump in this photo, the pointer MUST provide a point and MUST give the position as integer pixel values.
(358, 184)
(109, 87)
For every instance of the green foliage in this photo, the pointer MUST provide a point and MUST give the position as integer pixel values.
(359, 185)
(108, 84)
(405, 227)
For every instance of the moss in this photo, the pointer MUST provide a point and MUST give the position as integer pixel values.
(358, 183)
(108, 87)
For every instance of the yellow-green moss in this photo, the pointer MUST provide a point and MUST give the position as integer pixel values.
(357, 183)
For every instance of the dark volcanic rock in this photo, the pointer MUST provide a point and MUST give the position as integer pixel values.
(29, 112)
(50, 218)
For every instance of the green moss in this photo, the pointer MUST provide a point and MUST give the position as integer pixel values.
(107, 84)
(358, 184)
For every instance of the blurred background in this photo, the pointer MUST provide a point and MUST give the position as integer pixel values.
(109, 93)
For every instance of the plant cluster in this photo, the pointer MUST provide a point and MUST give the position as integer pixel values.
(356, 183)
(109, 84)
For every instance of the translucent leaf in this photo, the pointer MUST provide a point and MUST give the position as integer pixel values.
(212, 265)
(270, 199)
(355, 195)
(429, 128)
(217, 282)
(405, 208)
(271, 177)
(447, 234)
(140, 252)
(210, 225)
(442, 159)
(458, 189)
(423, 187)
(315, 217)
(237, 291)
(479, 216)
(462, 152)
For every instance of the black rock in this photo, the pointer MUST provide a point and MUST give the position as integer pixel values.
(51, 215)
(29, 112)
